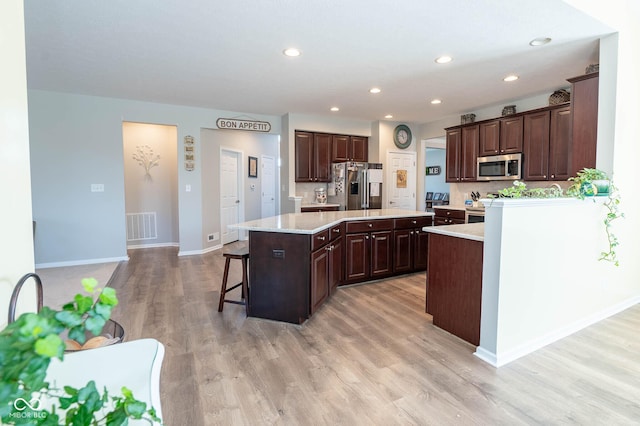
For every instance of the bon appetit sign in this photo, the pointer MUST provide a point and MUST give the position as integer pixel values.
(247, 125)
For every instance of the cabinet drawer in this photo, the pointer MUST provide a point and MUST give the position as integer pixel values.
(369, 225)
(319, 239)
(412, 222)
(450, 213)
(336, 231)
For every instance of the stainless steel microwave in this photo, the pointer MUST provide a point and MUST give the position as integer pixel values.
(500, 167)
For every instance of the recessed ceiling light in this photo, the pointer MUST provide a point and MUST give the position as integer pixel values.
(539, 41)
(436, 101)
(374, 90)
(388, 116)
(334, 109)
(511, 77)
(443, 59)
(292, 52)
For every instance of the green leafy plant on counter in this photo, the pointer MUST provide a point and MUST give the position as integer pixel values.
(587, 183)
(519, 190)
(26, 349)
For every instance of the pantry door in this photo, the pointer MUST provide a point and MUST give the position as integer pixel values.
(230, 179)
(401, 180)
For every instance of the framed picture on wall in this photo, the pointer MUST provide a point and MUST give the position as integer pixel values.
(253, 167)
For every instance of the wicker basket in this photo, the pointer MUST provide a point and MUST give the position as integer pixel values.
(559, 97)
(467, 118)
(508, 110)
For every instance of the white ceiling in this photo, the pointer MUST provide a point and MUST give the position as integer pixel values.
(228, 55)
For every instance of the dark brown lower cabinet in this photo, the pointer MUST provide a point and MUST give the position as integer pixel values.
(410, 245)
(368, 256)
(454, 285)
(320, 260)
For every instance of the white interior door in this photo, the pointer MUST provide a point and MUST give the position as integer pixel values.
(229, 194)
(401, 180)
(268, 182)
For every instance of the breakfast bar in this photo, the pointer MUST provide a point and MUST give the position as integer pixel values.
(298, 260)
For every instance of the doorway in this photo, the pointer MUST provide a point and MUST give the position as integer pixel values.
(151, 184)
(401, 180)
(268, 182)
(231, 179)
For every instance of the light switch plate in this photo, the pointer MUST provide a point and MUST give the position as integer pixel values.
(97, 187)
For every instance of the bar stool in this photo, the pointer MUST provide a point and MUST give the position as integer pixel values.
(240, 254)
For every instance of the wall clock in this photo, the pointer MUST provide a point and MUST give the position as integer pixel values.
(402, 136)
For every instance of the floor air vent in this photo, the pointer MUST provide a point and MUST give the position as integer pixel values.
(141, 226)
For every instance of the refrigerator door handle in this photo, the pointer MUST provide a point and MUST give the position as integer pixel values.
(366, 188)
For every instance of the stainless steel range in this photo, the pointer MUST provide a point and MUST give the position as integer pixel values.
(474, 214)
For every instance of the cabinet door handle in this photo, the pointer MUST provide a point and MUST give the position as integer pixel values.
(413, 222)
(373, 236)
(337, 230)
(329, 248)
(411, 232)
(371, 225)
(321, 238)
(366, 237)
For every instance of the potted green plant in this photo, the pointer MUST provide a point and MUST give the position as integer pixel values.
(26, 349)
(594, 182)
(589, 182)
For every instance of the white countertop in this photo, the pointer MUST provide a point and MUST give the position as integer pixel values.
(450, 207)
(469, 231)
(310, 223)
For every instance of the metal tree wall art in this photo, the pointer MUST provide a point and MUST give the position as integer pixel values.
(144, 157)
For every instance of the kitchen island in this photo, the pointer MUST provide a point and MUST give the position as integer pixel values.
(454, 279)
(297, 260)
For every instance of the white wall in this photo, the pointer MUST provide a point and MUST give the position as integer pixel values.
(16, 249)
(435, 183)
(75, 141)
(158, 191)
(542, 279)
(249, 144)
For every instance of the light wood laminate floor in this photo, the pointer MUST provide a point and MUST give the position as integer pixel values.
(370, 355)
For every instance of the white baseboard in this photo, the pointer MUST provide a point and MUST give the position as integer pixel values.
(197, 252)
(503, 358)
(81, 262)
(486, 356)
(144, 246)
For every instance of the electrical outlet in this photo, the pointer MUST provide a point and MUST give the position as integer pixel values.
(210, 237)
(213, 237)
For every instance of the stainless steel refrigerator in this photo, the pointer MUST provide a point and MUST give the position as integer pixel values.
(356, 186)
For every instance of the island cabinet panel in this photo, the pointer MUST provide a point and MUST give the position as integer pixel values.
(403, 250)
(279, 276)
(320, 279)
(336, 265)
(381, 250)
(357, 257)
(368, 250)
(454, 285)
(410, 244)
